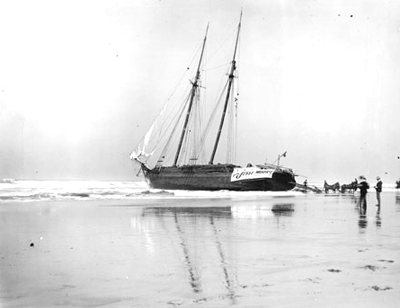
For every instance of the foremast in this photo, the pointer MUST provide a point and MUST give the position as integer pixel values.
(195, 85)
(230, 83)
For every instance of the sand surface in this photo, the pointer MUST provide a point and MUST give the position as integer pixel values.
(298, 251)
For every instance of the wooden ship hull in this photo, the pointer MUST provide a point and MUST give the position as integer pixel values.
(215, 177)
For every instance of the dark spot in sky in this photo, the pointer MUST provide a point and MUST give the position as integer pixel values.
(351, 15)
(338, 15)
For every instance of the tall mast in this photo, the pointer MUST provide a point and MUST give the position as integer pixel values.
(195, 84)
(230, 82)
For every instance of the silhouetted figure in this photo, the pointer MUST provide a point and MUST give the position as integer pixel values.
(305, 184)
(378, 189)
(363, 186)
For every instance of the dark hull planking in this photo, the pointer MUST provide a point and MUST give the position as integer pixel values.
(214, 177)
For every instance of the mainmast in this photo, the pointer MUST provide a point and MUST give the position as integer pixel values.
(195, 85)
(230, 82)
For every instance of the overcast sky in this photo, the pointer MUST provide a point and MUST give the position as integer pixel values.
(82, 81)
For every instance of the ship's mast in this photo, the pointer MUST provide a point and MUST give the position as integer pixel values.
(230, 82)
(195, 85)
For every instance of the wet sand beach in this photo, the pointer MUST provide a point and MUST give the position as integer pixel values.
(264, 251)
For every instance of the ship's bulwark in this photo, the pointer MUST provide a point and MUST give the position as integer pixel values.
(214, 177)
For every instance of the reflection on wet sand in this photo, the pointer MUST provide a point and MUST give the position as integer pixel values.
(354, 199)
(378, 220)
(219, 211)
(263, 211)
(187, 220)
(398, 202)
(362, 221)
(228, 252)
(283, 209)
(194, 276)
(224, 265)
(204, 216)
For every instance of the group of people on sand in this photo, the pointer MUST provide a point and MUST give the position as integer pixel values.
(364, 186)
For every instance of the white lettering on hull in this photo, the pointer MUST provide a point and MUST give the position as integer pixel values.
(252, 173)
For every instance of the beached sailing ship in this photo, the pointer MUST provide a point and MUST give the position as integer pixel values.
(188, 170)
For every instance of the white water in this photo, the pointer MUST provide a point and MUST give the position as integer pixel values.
(105, 190)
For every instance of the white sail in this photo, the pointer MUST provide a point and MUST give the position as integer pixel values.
(147, 137)
(142, 153)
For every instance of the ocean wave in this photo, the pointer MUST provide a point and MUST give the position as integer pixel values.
(100, 190)
(26, 191)
(7, 181)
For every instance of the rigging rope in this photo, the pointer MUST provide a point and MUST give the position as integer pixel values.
(200, 146)
(168, 143)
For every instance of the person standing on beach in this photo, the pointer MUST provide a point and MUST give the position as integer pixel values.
(378, 188)
(364, 186)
